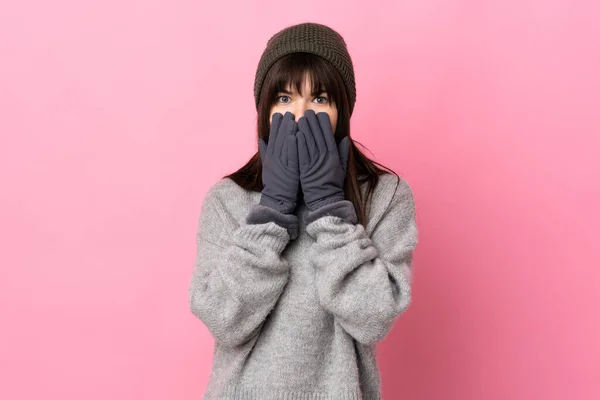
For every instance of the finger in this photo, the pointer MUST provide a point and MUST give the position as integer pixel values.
(262, 149)
(285, 129)
(316, 130)
(275, 121)
(289, 115)
(284, 151)
(311, 146)
(303, 153)
(275, 124)
(327, 129)
(344, 151)
(292, 152)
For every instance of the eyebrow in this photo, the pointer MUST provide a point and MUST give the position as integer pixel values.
(312, 94)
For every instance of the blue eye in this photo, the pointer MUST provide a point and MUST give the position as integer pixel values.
(324, 99)
(281, 97)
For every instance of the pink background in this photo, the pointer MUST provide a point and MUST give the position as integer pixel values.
(116, 117)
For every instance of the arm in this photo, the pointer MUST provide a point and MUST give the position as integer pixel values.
(364, 281)
(239, 272)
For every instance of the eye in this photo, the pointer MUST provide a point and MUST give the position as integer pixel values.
(322, 99)
(280, 99)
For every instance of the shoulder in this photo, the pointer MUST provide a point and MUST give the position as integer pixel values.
(394, 185)
(394, 191)
(391, 188)
(400, 191)
(227, 191)
(223, 187)
(392, 197)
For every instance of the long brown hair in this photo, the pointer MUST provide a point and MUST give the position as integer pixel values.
(291, 69)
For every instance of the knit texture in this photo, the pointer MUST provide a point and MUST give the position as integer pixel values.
(300, 320)
(312, 38)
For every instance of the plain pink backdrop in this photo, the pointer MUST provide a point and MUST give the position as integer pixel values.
(116, 117)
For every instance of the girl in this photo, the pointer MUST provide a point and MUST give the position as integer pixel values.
(305, 253)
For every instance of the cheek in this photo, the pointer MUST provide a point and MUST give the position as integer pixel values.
(333, 115)
(273, 111)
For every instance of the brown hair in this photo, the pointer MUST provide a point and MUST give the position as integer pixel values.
(291, 69)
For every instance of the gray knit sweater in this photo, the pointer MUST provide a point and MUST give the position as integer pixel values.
(299, 319)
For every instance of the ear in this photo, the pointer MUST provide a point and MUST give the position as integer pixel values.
(343, 150)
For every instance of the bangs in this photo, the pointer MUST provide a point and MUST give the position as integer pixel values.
(290, 71)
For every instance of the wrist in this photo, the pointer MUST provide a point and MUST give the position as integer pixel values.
(343, 209)
(260, 214)
(322, 202)
(280, 205)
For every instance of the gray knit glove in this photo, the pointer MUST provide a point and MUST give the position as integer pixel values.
(322, 163)
(280, 174)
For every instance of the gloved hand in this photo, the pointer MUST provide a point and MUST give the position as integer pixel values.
(322, 163)
(280, 174)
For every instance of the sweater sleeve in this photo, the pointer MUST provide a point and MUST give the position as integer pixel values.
(239, 273)
(365, 282)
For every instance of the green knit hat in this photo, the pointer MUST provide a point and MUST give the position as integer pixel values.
(308, 38)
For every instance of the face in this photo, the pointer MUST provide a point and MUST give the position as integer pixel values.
(297, 103)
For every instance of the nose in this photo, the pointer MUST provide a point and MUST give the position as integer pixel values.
(300, 107)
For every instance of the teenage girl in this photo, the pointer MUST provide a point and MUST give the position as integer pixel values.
(304, 255)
